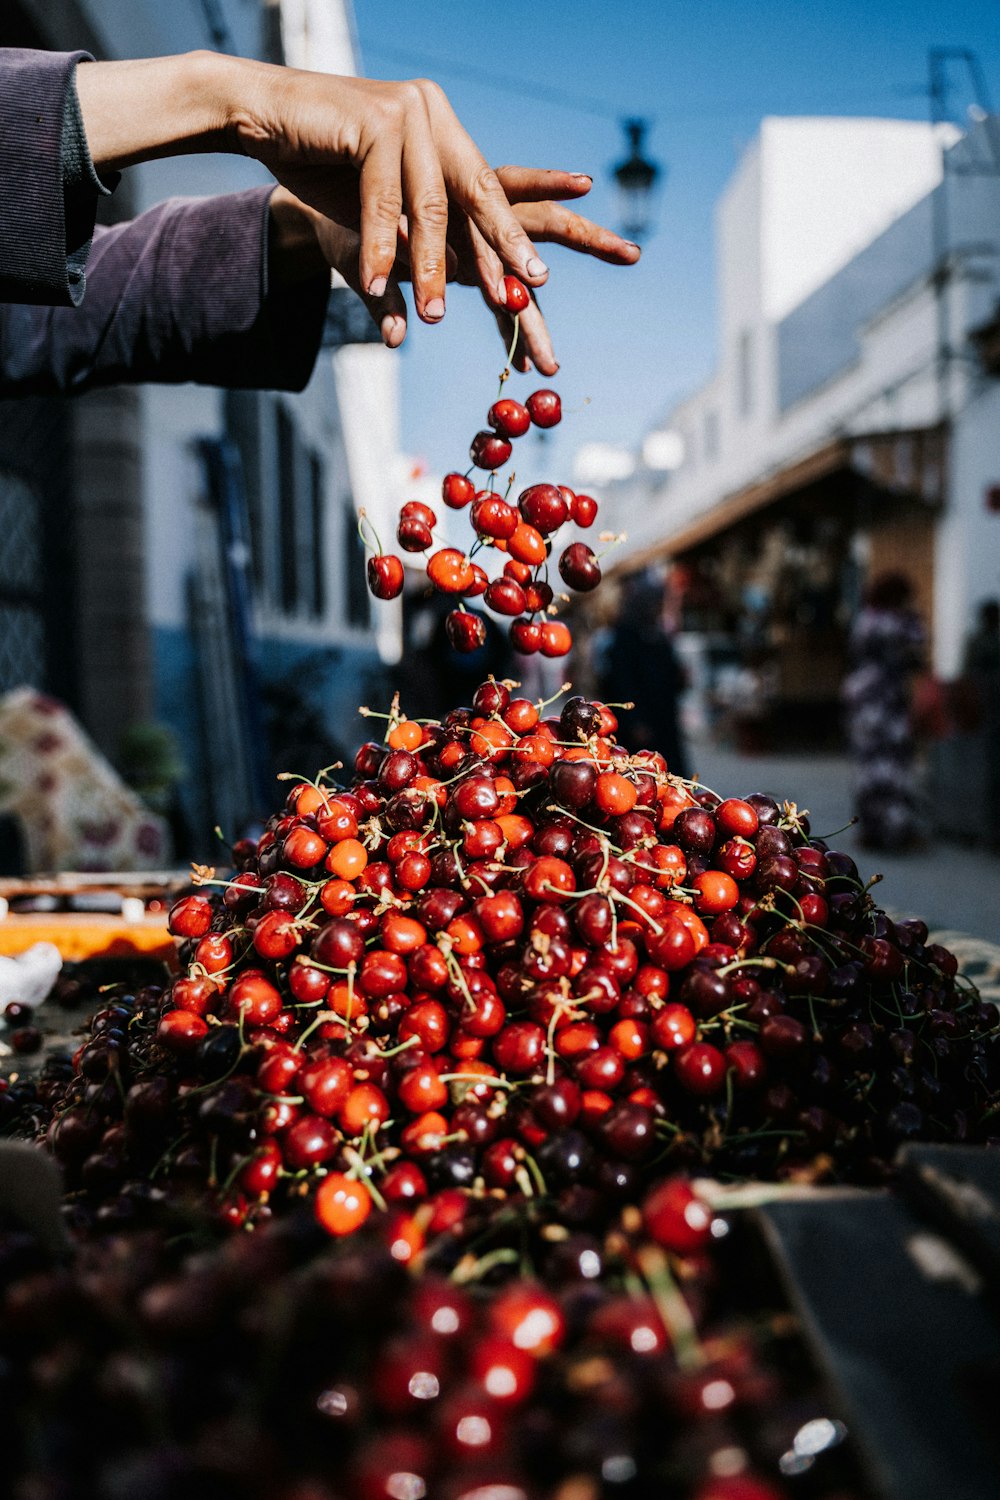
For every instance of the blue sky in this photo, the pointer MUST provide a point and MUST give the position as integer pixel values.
(634, 340)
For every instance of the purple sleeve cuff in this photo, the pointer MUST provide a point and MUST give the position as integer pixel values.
(47, 222)
(179, 294)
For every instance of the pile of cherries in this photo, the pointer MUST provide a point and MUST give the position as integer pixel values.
(514, 1357)
(513, 960)
(448, 1042)
(522, 531)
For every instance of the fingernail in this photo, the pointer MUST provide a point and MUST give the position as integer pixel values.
(434, 309)
(632, 245)
(536, 267)
(377, 287)
(583, 177)
(393, 328)
(501, 293)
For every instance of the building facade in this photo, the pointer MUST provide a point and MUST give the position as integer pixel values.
(189, 556)
(852, 424)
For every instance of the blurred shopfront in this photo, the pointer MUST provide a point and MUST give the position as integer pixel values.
(767, 582)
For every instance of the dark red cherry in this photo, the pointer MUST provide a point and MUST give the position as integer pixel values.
(385, 576)
(579, 568)
(544, 408)
(508, 418)
(488, 451)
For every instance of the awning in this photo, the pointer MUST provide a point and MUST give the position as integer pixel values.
(908, 464)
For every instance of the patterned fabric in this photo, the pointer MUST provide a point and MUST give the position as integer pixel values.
(76, 812)
(886, 649)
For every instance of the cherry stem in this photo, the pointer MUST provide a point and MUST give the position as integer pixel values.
(363, 521)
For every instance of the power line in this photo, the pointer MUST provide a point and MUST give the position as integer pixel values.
(413, 59)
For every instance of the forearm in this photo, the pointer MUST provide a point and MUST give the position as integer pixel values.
(136, 111)
(180, 294)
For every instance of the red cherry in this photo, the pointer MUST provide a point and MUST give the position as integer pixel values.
(493, 517)
(748, 1065)
(528, 1317)
(254, 997)
(527, 545)
(275, 935)
(516, 294)
(584, 510)
(526, 636)
(190, 917)
(303, 848)
(701, 1069)
(488, 451)
(519, 571)
(413, 535)
(556, 639)
(416, 510)
(456, 491)
(466, 631)
(717, 892)
(450, 571)
(544, 507)
(181, 1030)
(538, 596)
(674, 1027)
(508, 418)
(385, 576)
(480, 582)
(676, 1218)
(342, 1205)
(506, 597)
(579, 567)
(736, 818)
(545, 408)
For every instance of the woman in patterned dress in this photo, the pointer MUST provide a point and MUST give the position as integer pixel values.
(887, 648)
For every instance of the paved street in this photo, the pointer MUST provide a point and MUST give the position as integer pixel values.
(953, 887)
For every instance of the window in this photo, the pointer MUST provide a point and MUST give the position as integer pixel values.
(288, 521)
(711, 434)
(317, 572)
(744, 373)
(243, 414)
(355, 565)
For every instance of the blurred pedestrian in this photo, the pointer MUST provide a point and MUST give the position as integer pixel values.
(887, 648)
(641, 667)
(982, 673)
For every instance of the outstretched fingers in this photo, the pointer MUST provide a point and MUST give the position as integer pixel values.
(342, 249)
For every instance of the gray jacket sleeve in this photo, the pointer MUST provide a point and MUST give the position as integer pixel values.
(50, 189)
(178, 294)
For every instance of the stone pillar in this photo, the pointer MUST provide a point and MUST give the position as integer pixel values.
(112, 639)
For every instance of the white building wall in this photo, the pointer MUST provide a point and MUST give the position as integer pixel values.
(349, 411)
(774, 238)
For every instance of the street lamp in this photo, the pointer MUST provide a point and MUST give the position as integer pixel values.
(636, 177)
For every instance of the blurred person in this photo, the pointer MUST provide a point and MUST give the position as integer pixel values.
(641, 667)
(436, 677)
(982, 673)
(377, 180)
(887, 647)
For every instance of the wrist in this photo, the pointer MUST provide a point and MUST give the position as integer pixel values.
(140, 110)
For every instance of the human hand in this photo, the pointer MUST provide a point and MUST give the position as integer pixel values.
(536, 196)
(410, 157)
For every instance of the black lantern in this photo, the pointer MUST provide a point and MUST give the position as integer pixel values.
(636, 178)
